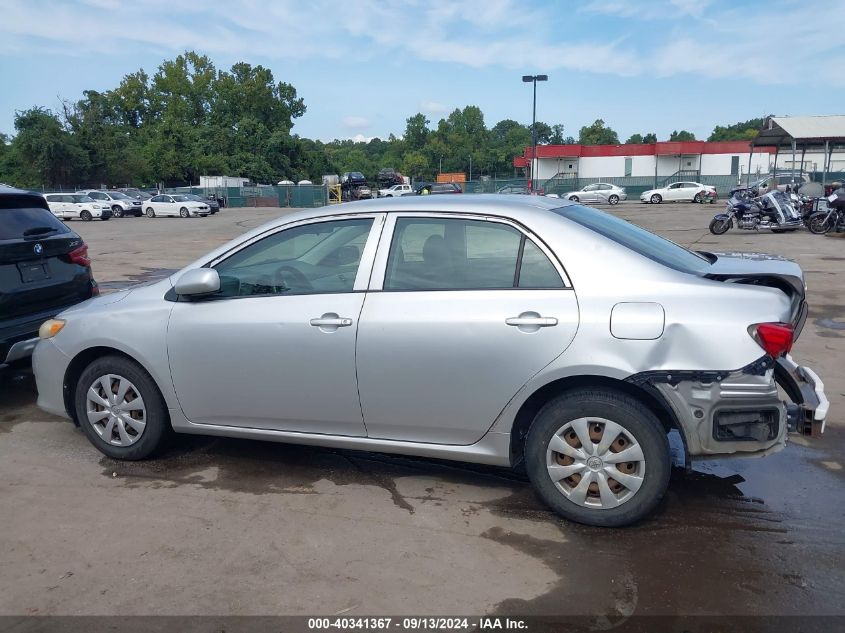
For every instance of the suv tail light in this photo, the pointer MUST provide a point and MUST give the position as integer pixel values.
(78, 255)
(775, 338)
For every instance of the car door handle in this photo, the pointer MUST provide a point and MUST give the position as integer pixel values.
(535, 321)
(336, 321)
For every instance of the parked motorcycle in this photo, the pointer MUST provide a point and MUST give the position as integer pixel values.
(831, 218)
(773, 210)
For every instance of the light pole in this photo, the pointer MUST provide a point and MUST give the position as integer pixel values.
(533, 79)
(470, 167)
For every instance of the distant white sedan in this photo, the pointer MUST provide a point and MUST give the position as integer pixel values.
(175, 205)
(677, 191)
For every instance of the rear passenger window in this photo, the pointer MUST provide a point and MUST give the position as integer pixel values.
(536, 270)
(457, 254)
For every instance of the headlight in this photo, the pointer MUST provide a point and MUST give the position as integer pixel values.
(50, 328)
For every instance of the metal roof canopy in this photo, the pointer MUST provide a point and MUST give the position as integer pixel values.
(803, 132)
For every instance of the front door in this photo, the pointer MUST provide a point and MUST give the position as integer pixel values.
(275, 348)
(468, 311)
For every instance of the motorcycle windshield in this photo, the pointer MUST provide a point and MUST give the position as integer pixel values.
(784, 207)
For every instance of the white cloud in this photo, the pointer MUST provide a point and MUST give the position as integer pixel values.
(727, 40)
(356, 122)
(360, 138)
(433, 107)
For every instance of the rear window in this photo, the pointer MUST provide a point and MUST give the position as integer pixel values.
(637, 239)
(17, 223)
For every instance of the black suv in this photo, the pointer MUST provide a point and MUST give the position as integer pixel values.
(44, 268)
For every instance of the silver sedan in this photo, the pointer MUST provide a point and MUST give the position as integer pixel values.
(597, 192)
(457, 327)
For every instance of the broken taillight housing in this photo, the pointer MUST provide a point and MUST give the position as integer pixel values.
(775, 338)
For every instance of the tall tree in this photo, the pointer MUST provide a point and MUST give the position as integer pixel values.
(416, 131)
(742, 131)
(44, 153)
(598, 134)
(683, 135)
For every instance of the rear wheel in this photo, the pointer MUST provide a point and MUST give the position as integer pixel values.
(614, 199)
(574, 198)
(598, 457)
(183, 212)
(151, 212)
(86, 216)
(117, 211)
(718, 226)
(656, 198)
(820, 222)
(120, 408)
(698, 198)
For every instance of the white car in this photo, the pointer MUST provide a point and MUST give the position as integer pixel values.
(597, 192)
(395, 191)
(69, 206)
(121, 205)
(677, 191)
(175, 205)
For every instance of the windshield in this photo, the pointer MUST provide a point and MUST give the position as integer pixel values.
(21, 222)
(192, 196)
(83, 199)
(637, 239)
(119, 196)
(179, 198)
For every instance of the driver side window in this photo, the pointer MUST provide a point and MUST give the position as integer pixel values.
(317, 258)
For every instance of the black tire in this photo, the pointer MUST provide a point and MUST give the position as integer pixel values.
(819, 223)
(720, 227)
(151, 212)
(574, 198)
(656, 198)
(85, 216)
(613, 199)
(183, 212)
(698, 198)
(117, 211)
(157, 429)
(635, 419)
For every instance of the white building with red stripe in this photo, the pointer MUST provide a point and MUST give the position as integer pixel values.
(656, 160)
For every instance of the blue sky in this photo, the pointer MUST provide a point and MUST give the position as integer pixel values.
(364, 66)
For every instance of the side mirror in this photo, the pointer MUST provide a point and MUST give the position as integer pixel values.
(198, 281)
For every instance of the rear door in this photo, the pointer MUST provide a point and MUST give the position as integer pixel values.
(462, 311)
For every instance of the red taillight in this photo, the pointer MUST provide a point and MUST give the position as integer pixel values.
(78, 255)
(775, 338)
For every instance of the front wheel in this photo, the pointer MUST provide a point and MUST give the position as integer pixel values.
(574, 198)
(86, 216)
(120, 408)
(698, 198)
(719, 226)
(613, 200)
(819, 223)
(656, 199)
(598, 457)
(151, 212)
(183, 212)
(117, 211)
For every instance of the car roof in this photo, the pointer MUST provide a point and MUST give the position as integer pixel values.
(24, 197)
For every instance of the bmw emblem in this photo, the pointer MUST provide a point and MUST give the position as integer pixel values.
(38, 249)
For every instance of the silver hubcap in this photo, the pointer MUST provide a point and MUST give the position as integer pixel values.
(595, 462)
(116, 410)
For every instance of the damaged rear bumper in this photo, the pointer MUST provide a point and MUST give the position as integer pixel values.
(741, 412)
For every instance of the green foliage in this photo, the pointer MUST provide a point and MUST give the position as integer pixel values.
(636, 139)
(683, 135)
(597, 134)
(742, 131)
